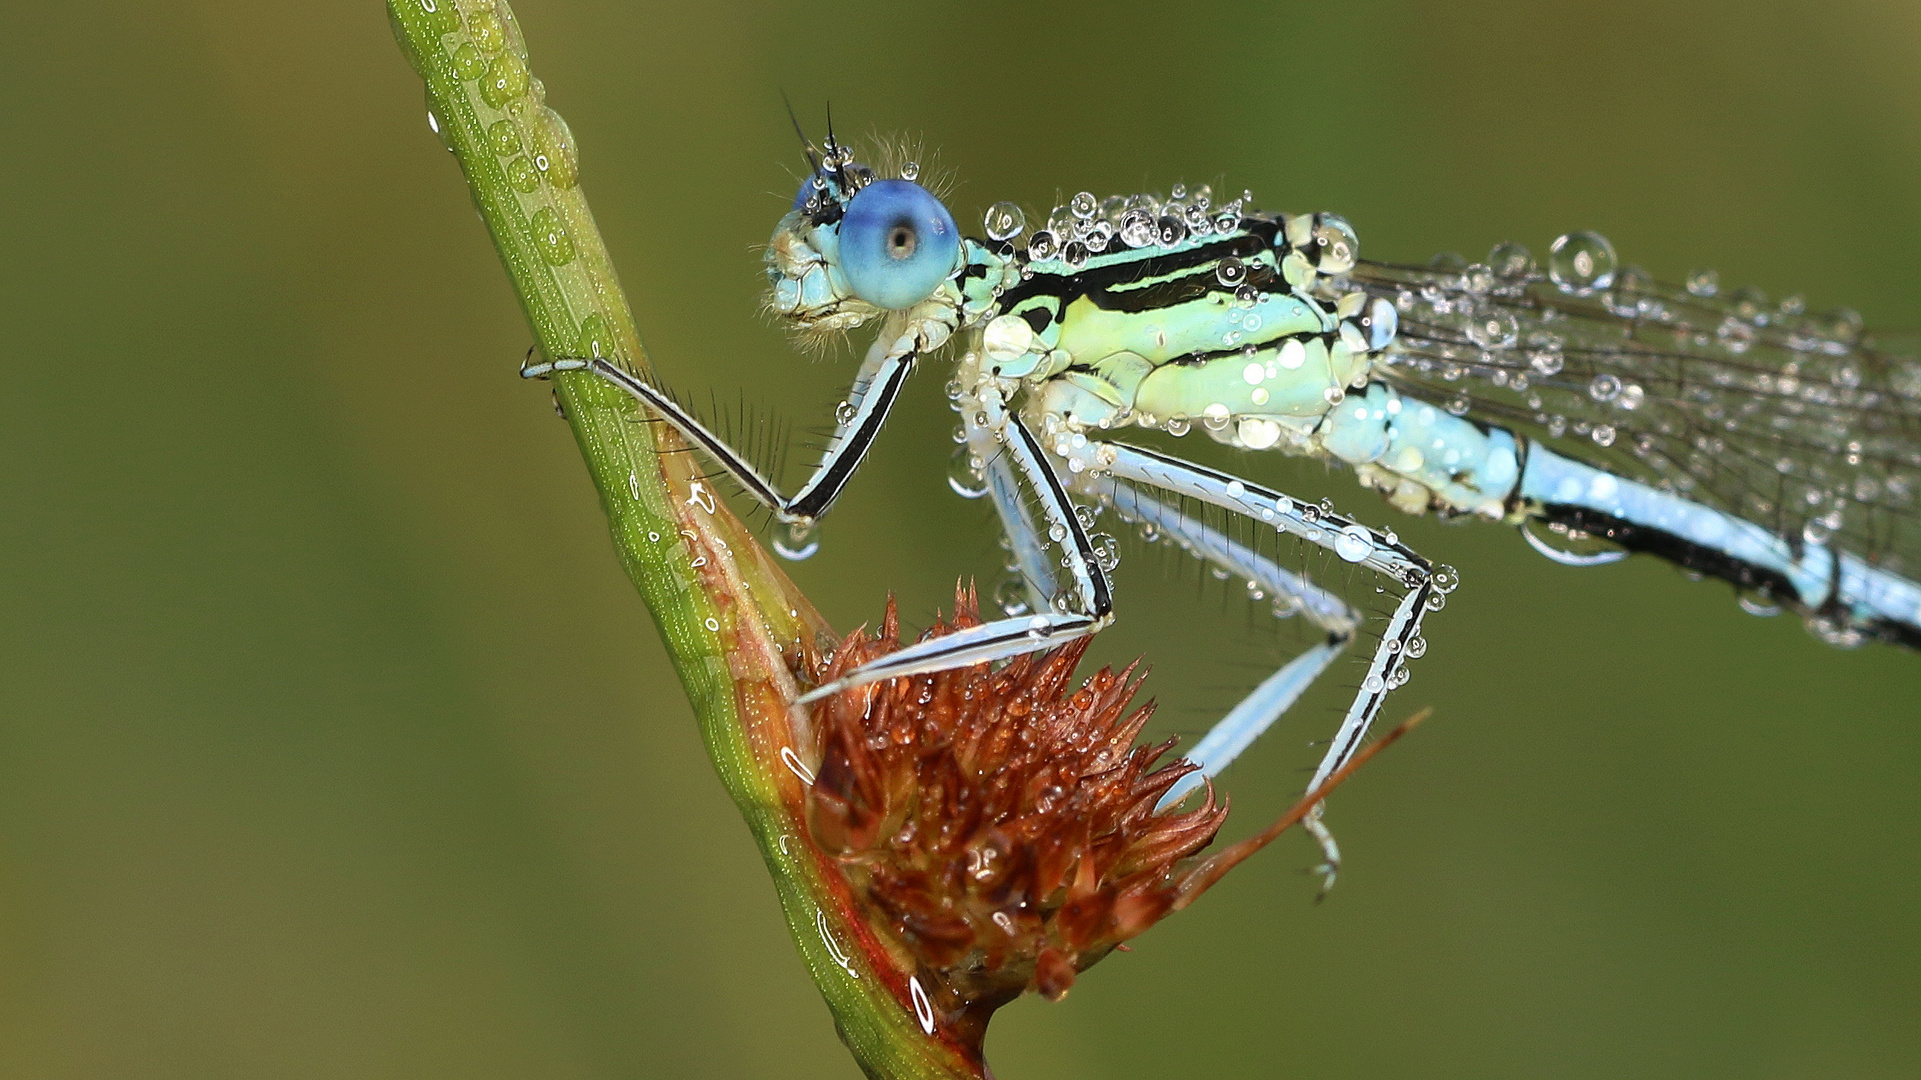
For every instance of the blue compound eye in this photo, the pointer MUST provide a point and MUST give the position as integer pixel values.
(897, 244)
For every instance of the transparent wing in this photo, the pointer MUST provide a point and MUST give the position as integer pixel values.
(1796, 422)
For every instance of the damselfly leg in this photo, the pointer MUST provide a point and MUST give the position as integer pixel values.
(1105, 469)
(873, 395)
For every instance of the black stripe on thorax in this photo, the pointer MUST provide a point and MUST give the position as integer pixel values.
(1189, 274)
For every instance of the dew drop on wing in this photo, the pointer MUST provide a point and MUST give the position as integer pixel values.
(1580, 263)
(1511, 260)
(1010, 595)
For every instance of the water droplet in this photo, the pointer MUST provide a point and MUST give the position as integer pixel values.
(522, 175)
(1084, 205)
(1230, 271)
(1758, 604)
(503, 138)
(1177, 426)
(550, 237)
(1074, 254)
(505, 80)
(1603, 434)
(1057, 532)
(1042, 245)
(1107, 551)
(1004, 221)
(1010, 595)
(556, 154)
(1545, 361)
(1137, 229)
(1580, 263)
(910, 170)
(1169, 230)
(1510, 260)
(1373, 684)
(1493, 328)
(845, 412)
(1417, 648)
(964, 474)
(1354, 544)
(1604, 387)
(1337, 244)
(1703, 282)
(1750, 305)
(796, 541)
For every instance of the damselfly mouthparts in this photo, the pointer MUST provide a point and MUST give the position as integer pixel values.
(1597, 410)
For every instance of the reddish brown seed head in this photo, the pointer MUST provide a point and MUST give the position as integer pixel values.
(998, 823)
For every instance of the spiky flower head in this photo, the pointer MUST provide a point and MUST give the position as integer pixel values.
(1000, 823)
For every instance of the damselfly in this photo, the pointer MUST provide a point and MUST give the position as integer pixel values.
(1597, 410)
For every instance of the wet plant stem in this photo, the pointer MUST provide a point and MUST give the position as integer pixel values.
(728, 616)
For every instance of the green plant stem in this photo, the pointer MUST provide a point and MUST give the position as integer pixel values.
(730, 619)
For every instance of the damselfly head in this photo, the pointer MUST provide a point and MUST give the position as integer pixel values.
(856, 244)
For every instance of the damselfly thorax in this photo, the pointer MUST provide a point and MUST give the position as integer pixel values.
(1599, 411)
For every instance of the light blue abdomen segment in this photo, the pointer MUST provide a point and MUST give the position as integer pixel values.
(1872, 592)
(1867, 592)
(1467, 468)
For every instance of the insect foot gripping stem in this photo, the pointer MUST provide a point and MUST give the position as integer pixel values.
(998, 827)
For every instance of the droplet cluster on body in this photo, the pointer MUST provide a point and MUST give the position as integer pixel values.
(1786, 418)
(1269, 337)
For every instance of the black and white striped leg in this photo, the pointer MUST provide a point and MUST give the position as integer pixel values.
(1083, 606)
(1424, 583)
(883, 375)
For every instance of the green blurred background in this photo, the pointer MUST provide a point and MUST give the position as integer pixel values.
(334, 744)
